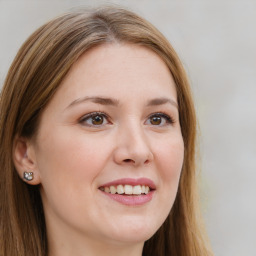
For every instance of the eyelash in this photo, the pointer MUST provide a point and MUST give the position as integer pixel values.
(168, 118)
(91, 115)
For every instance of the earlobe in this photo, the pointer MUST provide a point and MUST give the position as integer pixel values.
(25, 161)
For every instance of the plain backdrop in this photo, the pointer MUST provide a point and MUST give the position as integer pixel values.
(216, 41)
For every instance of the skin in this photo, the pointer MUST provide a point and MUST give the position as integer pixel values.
(71, 157)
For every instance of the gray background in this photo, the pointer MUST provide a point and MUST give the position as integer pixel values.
(216, 41)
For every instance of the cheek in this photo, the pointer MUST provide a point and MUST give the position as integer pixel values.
(68, 165)
(170, 155)
(71, 155)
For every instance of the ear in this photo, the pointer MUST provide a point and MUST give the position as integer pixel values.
(24, 159)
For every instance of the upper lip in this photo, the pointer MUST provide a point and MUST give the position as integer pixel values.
(132, 182)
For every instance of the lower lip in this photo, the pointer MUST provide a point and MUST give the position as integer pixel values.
(131, 200)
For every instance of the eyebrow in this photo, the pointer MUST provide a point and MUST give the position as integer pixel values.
(97, 100)
(115, 102)
(162, 101)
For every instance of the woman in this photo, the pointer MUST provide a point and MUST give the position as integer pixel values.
(98, 142)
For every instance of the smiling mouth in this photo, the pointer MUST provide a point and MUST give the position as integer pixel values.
(127, 190)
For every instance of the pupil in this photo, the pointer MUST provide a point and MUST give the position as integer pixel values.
(156, 120)
(97, 120)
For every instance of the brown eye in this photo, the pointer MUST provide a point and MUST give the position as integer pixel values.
(94, 119)
(159, 119)
(97, 120)
(155, 120)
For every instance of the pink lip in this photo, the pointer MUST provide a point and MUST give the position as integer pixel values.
(131, 200)
(132, 182)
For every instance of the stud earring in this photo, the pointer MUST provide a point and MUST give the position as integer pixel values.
(28, 176)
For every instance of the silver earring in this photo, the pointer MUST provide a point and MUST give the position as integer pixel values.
(28, 176)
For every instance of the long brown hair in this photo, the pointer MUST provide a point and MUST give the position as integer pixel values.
(34, 76)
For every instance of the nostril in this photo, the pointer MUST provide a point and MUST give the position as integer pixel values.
(147, 161)
(128, 160)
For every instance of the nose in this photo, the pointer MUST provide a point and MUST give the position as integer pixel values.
(133, 147)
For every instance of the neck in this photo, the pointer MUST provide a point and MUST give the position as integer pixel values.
(67, 245)
(94, 250)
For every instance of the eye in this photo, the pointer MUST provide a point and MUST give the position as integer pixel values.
(159, 119)
(94, 119)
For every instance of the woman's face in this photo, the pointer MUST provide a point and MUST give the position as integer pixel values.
(112, 125)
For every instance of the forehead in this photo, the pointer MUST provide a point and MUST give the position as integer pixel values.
(122, 64)
(123, 71)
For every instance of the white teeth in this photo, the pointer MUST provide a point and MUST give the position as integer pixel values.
(146, 190)
(137, 190)
(120, 189)
(127, 189)
(112, 190)
(107, 189)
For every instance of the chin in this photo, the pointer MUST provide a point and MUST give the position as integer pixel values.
(132, 232)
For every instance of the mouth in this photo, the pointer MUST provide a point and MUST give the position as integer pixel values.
(127, 190)
(130, 191)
